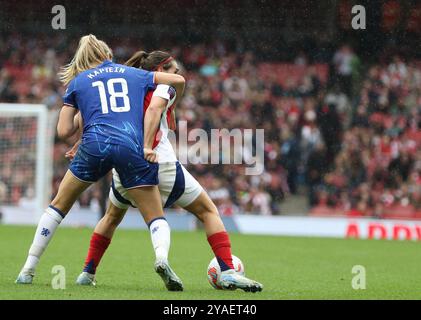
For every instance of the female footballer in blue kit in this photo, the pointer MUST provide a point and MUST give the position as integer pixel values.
(110, 99)
(176, 186)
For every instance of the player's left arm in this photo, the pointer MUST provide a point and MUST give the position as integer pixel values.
(67, 124)
(152, 118)
(78, 135)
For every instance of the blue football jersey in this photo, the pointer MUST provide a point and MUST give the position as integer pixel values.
(110, 98)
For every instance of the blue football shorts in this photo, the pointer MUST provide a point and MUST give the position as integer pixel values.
(95, 159)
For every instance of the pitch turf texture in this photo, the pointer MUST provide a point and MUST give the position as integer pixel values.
(289, 268)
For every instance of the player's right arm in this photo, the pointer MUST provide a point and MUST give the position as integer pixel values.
(66, 125)
(173, 80)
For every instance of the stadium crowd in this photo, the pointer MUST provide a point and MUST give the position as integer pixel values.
(346, 133)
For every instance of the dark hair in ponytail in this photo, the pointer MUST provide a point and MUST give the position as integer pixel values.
(150, 61)
(137, 59)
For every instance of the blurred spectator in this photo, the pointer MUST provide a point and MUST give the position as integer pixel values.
(353, 145)
(345, 62)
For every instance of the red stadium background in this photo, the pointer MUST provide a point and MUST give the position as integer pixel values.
(341, 108)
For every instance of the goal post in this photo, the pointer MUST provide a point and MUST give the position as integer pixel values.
(26, 153)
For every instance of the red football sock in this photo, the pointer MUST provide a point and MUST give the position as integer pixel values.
(221, 246)
(97, 247)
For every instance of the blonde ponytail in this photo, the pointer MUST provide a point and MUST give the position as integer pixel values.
(90, 53)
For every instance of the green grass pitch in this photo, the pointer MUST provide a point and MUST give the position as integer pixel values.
(289, 268)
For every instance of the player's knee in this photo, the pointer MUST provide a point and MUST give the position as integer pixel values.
(208, 211)
(113, 219)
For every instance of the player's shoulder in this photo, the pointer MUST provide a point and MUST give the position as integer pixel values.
(165, 91)
(123, 66)
(71, 86)
(136, 73)
(132, 69)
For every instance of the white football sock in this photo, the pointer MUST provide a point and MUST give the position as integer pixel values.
(161, 238)
(46, 228)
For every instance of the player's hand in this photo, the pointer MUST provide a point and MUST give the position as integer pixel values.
(150, 155)
(72, 152)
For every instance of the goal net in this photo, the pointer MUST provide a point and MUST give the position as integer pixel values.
(26, 153)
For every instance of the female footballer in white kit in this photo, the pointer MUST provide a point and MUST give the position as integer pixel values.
(176, 186)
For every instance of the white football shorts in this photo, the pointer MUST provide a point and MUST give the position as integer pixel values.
(176, 186)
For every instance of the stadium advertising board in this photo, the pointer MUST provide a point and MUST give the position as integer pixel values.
(330, 227)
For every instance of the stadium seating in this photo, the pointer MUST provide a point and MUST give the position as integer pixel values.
(343, 149)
